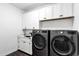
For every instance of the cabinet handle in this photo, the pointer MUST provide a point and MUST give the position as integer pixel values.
(24, 42)
(30, 43)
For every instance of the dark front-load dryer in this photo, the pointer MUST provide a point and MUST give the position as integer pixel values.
(40, 42)
(63, 42)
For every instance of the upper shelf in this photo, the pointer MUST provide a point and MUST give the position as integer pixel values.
(61, 18)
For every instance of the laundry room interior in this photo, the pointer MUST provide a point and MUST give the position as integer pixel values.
(39, 29)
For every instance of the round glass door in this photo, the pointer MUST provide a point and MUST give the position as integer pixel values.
(39, 41)
(62, 45)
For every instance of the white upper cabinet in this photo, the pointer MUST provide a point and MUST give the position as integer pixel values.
(49, 12)
(46, 13)
(63, 10)
(56, 10)
(66, 9)
(76, 16)
(41, 14)
(31, 19)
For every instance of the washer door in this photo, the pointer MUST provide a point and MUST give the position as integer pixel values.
(39, 41)
(62, 45)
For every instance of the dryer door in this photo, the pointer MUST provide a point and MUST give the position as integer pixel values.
(62, 45)
(39, 41)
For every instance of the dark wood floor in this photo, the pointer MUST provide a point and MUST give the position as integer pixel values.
(18, 53)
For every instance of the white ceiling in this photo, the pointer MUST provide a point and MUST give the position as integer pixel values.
(29, 6)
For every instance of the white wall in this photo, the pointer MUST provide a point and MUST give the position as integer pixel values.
(10, 27)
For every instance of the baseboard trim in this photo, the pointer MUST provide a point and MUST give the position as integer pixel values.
(10, 52)
(25, 52)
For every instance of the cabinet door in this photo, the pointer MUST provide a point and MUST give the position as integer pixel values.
(66, 9)
(30, 48)
(26, 47)
(63, 10)
(56, 11)
(21, 45)
(42, 14)
(49, 12)
(31, 20)
(46, 12)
